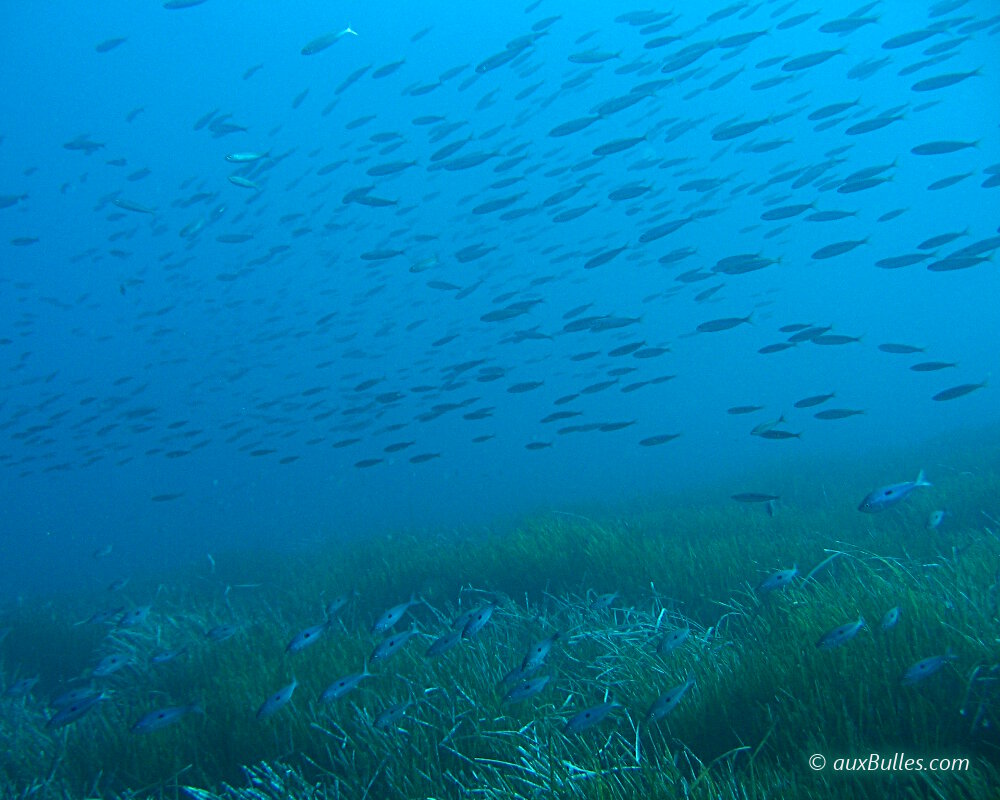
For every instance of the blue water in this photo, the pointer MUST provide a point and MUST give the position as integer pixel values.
(133, 355)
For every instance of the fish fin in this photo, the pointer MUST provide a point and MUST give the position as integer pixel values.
(922, 480)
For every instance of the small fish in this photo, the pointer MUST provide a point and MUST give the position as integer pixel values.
(306, 637)
(924, 668)
(343, 686)
(478, 619)
(110, 665)
(133, 617)
(887, 496)
(891, 618)
(935, 518)
(72, 711)
(392, 715)
(338, 602)
(669, 700)
(392, 644)
(754, 497)
(590, 717)
(958, 391)
(603, 601)
(245, 158)
(527, 689)
(21, 688)
(538, 652)
(444, 643)
(840, 635)
(243, 183)
(393, 615)
(778, 580)
(166, 656)
(672, 640)
(277, 700)
(161, 718)
(222, 632)
(73, 696)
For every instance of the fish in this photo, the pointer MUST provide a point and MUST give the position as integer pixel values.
(444, 643)
(673, 639)
(603, 601)
(392, 645)
(538, 652)
(888, 496)
(923, 669)
(778, 580)
(393, 615)
(306, 637)
(390, 717)
(321, 43)
(221, 633)
(75, 709)
(245, 158)
(526, 689)
(724, 324)
(958, 391)
(669, 700)
(891, 618)
(840, 635)
(21, 688)
(345, 685)
(754, 497)
(935, 518)
(134, 617)
(478, 617)
(277, 701)
(589, 717)
(815, 400)
(164, 717)
(110, 664)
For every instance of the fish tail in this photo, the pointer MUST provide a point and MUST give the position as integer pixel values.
(922, 480)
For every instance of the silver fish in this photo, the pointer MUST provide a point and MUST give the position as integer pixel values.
(888, 496)
(840, 635)
(133, 617)
(778, 580)
(306, 637)
(393, 615)
(71, 712)
(277, 700)
(444, 643)
(338, 602)
(924, 668)
(343, 686)
(73, 696)
(590, 717)
(222, 632)
(935, 518)
(538, 652)
(165, 656)
(392, 644)
(21, 688)
(603, 601)
(669, 700)
(245, 158)
(527, 689)
(478, 619)
(672, 640)
(110, 665)
(891, 618)
(389, 717)
(163, 717)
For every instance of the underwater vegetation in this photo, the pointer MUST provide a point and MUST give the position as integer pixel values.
(671, 649)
